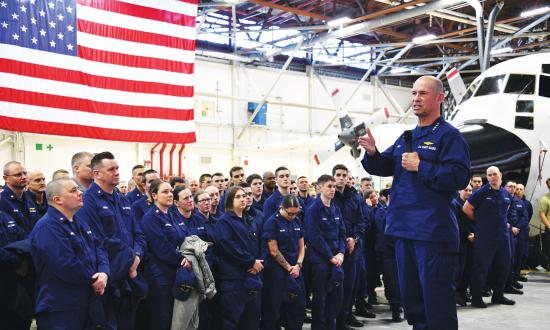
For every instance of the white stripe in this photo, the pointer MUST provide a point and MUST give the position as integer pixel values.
(179, 7)
(24, 111)
(45, 86)
(96, 68)
(135, 48)
(135, 23)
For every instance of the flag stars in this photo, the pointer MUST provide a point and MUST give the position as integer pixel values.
(33, 20)
(14, 16)
(70, 47)
(3, 4)
(4, 24)
(24, 28)
(23, 9)
(42, 13)
(33, 2)
(69, 9)
(34, 40)
(52, 24)
(60, 36)
(52, 43)
(15, 36)
(70, 28)
(42, 32)
(51, 5)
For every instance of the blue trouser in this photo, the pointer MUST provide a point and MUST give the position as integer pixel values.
(427, 274)
(276, 296)
(513, 242)
(361, 291)
(391, 279)
(352, 268)
(465, 263)
(523, 243)
(327, 300)
(494, 257)
(240, 308)
(159, 306)
(63, 320)
(120, 311)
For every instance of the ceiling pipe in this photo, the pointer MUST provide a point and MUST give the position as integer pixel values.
(161, 160)
(153, 153)
(180, 159)
(171, 153)
(489, 38)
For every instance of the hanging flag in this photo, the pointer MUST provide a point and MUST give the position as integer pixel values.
(102, 69)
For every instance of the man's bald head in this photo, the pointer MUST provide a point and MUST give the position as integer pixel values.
(435, 83)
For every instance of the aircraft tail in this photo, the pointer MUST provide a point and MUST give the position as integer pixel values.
(458, 89)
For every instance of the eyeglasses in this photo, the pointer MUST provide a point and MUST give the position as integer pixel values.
(291, 214)
(18, 175)
(248, 194)
(205, 200)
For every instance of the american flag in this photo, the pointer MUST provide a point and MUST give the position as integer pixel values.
(103, 69)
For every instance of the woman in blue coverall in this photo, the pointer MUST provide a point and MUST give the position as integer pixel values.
(284, 237)
(239, 270)
(164, 233)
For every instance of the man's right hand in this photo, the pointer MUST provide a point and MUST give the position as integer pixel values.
(368, 143)
(133, 269)
(258, 266)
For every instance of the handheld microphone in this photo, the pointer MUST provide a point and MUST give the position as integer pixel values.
(407, 135)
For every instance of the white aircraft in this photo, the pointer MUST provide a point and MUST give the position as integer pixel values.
(504, 116)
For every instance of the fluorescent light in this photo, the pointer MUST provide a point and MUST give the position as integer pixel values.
(534, 12)
(339, 21)
(501, 50)
(399, 70)
(424, 38)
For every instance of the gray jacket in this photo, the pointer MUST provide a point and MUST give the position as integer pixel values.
(194, 249)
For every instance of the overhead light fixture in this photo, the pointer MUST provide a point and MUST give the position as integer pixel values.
(501, 50)
(399, 70)
(534, 12)
(339, 21)
(424, 38)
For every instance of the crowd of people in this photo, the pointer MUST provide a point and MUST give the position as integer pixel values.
(254, 252)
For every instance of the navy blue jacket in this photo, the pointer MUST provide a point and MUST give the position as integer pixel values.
(421, 201)
(41, 208)
(208, 235)
(352, 213)
(259, 205)
(110, 216)
(134, 195)
(529, 208)
(381, 240)
(306, 202)
(325, 232)
(140, 207)
(465, 225)
(22, 210)
(271, 205)
(66, 255)
(236, 245)
(255, 220)
(287, 234)
(522, 214)
(491, 209)
(10, 232)
(164, 233)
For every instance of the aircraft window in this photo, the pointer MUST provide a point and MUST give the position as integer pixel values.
(520, 84)
(546, 68)
(491, 85)
(524, 122)
(524, 106)
(470, 91)
(544, 85)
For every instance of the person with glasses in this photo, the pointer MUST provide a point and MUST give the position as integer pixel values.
(215, 204)
(165, 232)
(239, 269)
(256, 183)
(282, 177)
(13, 200)
(36, 191)
(326, 245)
(283, 236)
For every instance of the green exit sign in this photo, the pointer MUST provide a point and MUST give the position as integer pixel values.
(40, 147)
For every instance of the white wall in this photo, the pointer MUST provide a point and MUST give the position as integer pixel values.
(224, 118)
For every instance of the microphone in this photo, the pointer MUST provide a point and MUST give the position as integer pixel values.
(407, 135)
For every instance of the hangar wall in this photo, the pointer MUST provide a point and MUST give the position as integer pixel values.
(298, 108)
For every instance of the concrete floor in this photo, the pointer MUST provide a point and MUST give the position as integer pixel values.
(531, 312)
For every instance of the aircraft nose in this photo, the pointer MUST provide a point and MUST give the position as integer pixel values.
(494, 146)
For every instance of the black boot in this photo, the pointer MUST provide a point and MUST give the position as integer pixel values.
(511, 290)
(502, 300)
(396, 314)
(517, 285)
(460, 300)
(362, 310)
(478, 302)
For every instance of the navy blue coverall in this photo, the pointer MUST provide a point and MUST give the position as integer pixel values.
(522, 238)
(140, 207)
(466, 252)
(421, 219)
(237, 245)
(110, 218)
(491, 249)
(22, 210)
(325, 237)
(164, 233)
(134, 195)
(66, 254)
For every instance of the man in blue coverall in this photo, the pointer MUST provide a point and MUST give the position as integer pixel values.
(109, 215)
(488, 207)
(72, 267)
(271, 205)
(326, 245)
(142, 205)
(420, 217)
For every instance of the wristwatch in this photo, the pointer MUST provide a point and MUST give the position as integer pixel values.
(299, 263)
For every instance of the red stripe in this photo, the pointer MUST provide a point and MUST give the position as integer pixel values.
(104, 108)
(316, 158)
(452, 73)
(193, 2)
(336, 91)
(140, 11)
(115, 32)
(42, 127)
(135, 61)
(77, 77)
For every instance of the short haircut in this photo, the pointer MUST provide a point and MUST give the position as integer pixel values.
(57, 172)
(292, 182)
(177, 191)
(176, 179)
(8, 164)
(301, 177)
(367, 193)
(230, 196)
(144, 175)
(79, 157)
(253, 177)
(324, 179)
(98, 158)
(233, 170)
(244, 185)
(203, 177)
(280, 168)
(137, 167)
(290, 201)
(366, 179)
(339, 167)
(267, 173)
(55, 188)
(154, 187)
(217, 174)
(478, 176)
(197, 194)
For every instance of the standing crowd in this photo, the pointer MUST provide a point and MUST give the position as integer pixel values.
(253, 252)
